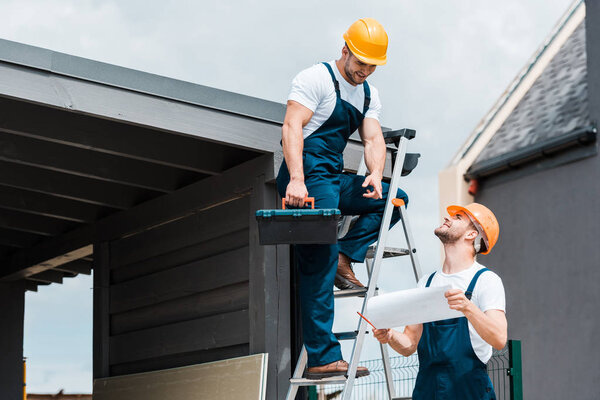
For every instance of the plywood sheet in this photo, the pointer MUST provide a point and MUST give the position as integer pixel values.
(233, 379)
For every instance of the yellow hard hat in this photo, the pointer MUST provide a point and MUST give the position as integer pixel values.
(485, 221)
(368, 41)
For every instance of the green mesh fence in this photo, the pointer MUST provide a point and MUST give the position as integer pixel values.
(404, 372)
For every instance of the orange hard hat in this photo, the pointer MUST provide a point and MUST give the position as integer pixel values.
(368, 41)
(485, 221)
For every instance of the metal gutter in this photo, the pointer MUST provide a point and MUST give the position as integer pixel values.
(138, 81)
(548, 148)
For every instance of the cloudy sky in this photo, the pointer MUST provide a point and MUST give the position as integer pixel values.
(449, 60)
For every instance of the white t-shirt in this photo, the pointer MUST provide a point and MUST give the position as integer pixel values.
(487, 295)
(314, 89)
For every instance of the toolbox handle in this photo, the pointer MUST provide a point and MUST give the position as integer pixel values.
(310, 200)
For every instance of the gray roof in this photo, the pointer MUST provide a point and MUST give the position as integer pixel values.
(555, 105)
(143, 82)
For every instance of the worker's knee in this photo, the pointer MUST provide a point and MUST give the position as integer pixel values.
(401, 194)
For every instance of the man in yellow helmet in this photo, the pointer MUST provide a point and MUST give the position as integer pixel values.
(453, 353)
(326, 104)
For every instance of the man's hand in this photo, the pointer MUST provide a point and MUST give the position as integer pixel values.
(457, 300)
(296, 193)
(383, 335)
(373, 180)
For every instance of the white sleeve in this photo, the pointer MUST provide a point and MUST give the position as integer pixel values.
(374, 110)
(490, 292)
(307, 87)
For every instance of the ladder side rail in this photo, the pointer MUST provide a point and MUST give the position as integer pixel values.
(298, 372)
(369, 265)
(384, 352)
(383, 233)
(410, 244)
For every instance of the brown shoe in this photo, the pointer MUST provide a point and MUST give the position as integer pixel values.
(335, 368)
(345, 278)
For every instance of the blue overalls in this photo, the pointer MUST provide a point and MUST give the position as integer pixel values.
(448, 366)
(324, 180)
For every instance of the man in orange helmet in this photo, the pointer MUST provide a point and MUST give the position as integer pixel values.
(327, 103)
(453, 353)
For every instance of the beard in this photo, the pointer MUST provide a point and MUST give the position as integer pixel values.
(446, 236)
(350, 74)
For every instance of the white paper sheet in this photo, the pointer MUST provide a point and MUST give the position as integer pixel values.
(408, 307)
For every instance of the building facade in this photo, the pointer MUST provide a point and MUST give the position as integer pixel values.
(534, 163)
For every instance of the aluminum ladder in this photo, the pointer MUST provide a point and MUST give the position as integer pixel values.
(402, 164)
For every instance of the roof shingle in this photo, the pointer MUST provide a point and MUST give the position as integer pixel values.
(556, 104)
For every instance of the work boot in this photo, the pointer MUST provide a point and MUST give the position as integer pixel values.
(344, 277)
(335, 368)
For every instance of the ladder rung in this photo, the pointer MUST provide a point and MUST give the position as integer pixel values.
(350, 293)
(388, 252)
(347, 335)
(325, 381)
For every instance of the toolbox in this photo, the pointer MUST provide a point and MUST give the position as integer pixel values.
(298, 225)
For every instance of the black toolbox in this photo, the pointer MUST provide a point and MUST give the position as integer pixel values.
(298, 225)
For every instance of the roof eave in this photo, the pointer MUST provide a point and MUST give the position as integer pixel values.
(579, 137)
(138, 81)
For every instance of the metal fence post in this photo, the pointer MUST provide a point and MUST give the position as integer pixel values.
(515, 370)
(312, 393)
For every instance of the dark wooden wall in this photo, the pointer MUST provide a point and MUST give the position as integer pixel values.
(196, 287)
(179, 292)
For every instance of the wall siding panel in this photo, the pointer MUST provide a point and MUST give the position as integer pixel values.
(198, 276)
(195, 228)
(179, 292)
(217, 301)
(200, 334)
(185, 255)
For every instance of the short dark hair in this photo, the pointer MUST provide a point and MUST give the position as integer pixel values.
(349, 51)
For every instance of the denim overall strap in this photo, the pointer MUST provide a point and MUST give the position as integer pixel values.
(469, 292)
(429, 280)
(367, 97)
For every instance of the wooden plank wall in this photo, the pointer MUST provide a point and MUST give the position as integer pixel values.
(183, 280)
(179, 293)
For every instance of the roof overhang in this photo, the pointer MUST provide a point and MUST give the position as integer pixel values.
(86, 147)
(579, 138)
(453, 187)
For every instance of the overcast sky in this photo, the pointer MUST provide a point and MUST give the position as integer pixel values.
(448, 61)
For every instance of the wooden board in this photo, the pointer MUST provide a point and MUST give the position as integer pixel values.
(196, 228)
(198, 276)
(217, 301)
(212, 332)
(233, 379)
(185, 255)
